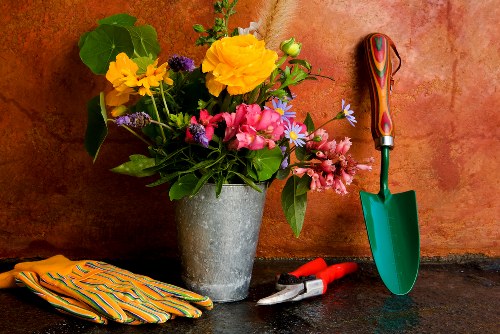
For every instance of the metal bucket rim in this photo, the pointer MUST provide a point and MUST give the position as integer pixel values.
(265, 184)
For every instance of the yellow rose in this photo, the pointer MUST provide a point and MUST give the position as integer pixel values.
(239, 63)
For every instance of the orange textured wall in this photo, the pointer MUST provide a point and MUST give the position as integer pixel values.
(53, 199)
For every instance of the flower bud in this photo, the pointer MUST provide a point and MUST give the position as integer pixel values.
(290, 47)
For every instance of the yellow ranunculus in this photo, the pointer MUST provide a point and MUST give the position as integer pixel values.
(239, 63)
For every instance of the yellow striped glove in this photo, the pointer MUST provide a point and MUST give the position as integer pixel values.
(117, 292)
(61, 303)
(112, 292)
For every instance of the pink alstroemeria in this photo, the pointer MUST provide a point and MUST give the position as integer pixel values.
(253, 127)
(267, 122)
(249, 138)
(234, 120)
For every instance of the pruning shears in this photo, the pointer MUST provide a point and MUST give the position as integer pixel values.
(310, 279)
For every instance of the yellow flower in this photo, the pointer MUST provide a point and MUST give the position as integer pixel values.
(118, 111)
(122, 72)
(154, 75)
(239, 63)
(116, 97)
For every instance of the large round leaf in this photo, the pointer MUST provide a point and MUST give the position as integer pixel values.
(103, 44)
(119, 19)
(145, 40)
(265, 162)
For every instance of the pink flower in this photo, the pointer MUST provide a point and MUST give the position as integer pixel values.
(253, 127)
(209, 123)
(299, 171)
(233, 121)
(364, 167)
(343, 146)
(317, 140)
(339, 187)
(248, 137)
(327, 166)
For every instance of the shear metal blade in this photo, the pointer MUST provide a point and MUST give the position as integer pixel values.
(284, 295)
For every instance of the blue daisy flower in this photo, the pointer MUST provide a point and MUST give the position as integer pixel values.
(348, 113)
(293, 133)
(283, 109)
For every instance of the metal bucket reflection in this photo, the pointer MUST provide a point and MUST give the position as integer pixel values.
(218, 238)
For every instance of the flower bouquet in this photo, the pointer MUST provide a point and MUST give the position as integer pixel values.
(228, 121)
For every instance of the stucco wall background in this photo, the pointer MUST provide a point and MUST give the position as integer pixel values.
(53, 199)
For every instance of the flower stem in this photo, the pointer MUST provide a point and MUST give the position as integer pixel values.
(137, 135)
(161, 124)
(158, 116)
(226, 103)
(340, 115)
(163, 98)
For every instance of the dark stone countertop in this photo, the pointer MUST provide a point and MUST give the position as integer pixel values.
(447, 298)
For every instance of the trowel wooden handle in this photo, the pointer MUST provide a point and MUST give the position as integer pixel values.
(378, 57)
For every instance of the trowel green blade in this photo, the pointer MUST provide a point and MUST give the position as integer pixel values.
(392, 225)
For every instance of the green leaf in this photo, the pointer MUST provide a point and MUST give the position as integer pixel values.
(82, 39)
(201, 182)
(301, 62)
(143, 63)
(167, 161)
(309, 123)
(103, 44)
(247, 181)
(97, 128)
(283, 173)
(200, 165)
(164, 179)
(218, 186)
(266, 162)
(119, 20)
(294, 205)
(183, 187)
(145, 40)
(301, 153)
(136, 166)
(303, 185)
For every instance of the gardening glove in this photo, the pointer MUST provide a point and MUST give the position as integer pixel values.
(61, 303)
(115, 293)
(7, 279)
(112, 290)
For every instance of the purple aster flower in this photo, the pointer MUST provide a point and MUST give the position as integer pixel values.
(293, 133)
(135, 120)
(181, 63)
(198, 133)
(348, 113)
(283, 109)
(284, 163)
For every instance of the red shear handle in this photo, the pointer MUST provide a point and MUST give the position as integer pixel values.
(310, 268)
(336, 271)
(378, 58)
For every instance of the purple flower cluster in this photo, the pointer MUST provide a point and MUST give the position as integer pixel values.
(135, 120)
(180, 63)
(198, 133)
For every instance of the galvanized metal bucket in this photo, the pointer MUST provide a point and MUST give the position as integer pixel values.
(218, 238)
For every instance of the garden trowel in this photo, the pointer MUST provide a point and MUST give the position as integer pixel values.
(391, 219)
